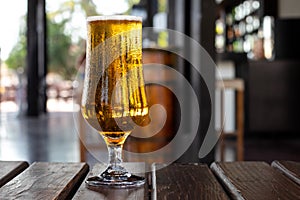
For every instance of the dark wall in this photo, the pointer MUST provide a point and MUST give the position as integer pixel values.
(273, 100)
(287, 39)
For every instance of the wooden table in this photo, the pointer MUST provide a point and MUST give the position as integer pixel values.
(226, 180)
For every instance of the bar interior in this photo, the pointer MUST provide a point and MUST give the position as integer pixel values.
(221, 85)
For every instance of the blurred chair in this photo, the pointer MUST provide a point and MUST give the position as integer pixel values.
(238, 86)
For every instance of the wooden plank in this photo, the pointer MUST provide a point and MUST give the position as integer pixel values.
(291, 169)
(10, 169)
(46, 181)
(255, 180)
(185, 181)
(114, 193)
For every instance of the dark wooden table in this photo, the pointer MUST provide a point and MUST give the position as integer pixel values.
(226, 180)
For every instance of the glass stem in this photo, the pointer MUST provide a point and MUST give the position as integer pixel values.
(115, 157)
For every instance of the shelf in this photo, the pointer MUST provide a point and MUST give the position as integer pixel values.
(241, 23)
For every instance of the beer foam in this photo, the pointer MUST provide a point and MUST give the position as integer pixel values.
(114, 17)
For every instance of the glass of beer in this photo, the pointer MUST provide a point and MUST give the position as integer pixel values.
(114, 98)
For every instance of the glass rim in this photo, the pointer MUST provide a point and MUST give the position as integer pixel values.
(113, 17)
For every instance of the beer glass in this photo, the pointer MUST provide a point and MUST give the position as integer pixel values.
(114, 98)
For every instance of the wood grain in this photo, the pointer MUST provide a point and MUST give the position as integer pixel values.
(290, 169)
(10, 169)
(46, 181)
(255, 180)
(113, 193)
(185, 181)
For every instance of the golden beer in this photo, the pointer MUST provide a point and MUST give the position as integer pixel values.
(117, 101)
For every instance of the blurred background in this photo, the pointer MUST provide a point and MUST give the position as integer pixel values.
(254, 43)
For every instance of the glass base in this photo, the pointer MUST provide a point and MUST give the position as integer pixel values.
(115, 179)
